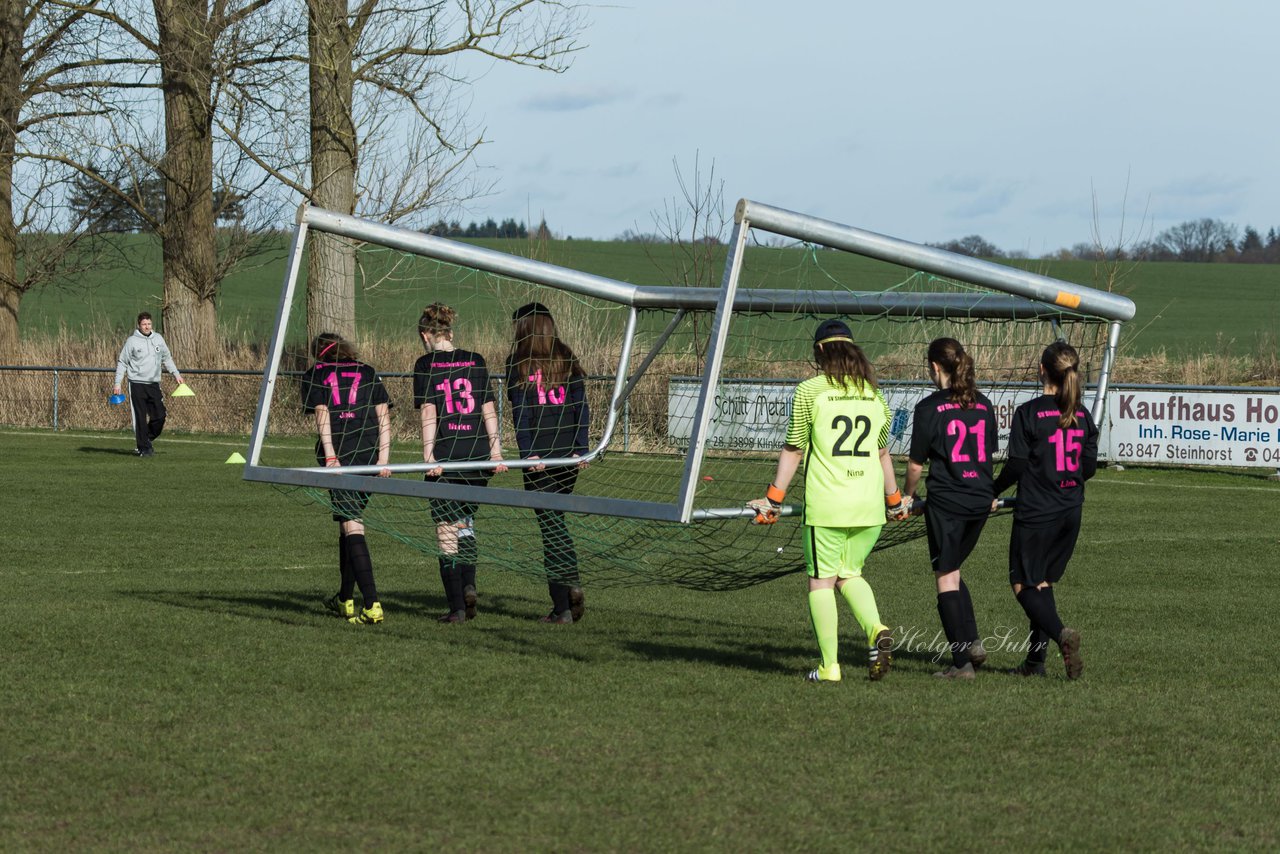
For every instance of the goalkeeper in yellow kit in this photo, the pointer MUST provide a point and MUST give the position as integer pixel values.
(840, 426)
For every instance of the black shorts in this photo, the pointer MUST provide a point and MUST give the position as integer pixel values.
(348, 505)
(446, 510)
(951, 540)
(1039, 553)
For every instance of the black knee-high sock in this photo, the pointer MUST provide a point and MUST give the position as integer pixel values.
(451, 577)
(1041, 610)
(468, 553)
(348, 585)
(1037, 646)
(362, 568)
(951, 610)
(970, 621)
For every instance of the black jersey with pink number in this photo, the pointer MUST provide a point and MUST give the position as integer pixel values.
(550, 420)
(350, 391)
(958, 444)
(1058, 460)
(456, 383)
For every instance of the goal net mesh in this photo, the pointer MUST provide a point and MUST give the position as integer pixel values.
(765, 356)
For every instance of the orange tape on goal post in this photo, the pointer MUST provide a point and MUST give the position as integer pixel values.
(1067, 300)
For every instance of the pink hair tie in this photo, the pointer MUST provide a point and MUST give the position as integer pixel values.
(326, 349)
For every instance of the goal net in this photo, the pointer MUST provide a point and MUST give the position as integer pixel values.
(687, 388)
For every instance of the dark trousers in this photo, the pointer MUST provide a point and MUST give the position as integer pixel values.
(148, 413)
(559, 557)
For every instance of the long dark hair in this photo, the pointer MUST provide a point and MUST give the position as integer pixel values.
(537, 347)
(844, 364)
(332, 347)
(950, 355)
(1061, 365)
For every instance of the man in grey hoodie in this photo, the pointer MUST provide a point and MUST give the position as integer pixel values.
(141, 357)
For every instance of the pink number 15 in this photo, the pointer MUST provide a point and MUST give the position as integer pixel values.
(1066, 444)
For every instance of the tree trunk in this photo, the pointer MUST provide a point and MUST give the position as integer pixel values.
(11, 291)
(331, 271)
(187, 234)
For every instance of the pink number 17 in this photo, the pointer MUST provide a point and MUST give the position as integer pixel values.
(332, 382)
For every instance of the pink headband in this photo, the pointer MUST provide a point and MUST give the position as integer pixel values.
(327, 348)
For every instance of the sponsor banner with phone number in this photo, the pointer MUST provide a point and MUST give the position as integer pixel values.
(1172, 427)
(1193, 428)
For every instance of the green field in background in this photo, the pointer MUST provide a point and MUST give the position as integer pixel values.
(1184, 308)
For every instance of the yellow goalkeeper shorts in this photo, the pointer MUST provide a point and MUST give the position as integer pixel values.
(838, 552)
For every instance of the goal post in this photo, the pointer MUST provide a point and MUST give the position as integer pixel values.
(688, 386)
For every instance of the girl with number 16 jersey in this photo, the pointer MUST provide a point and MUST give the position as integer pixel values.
(954, 432)
(1053, 450)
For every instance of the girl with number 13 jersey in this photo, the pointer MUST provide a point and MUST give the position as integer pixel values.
(1053, 450)
(459, 424)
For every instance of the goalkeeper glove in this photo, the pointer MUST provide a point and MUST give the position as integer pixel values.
(894, 507)
(767, 510)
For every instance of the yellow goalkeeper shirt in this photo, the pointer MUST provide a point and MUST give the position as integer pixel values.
(841, 432)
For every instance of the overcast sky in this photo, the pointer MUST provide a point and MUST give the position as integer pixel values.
(923, 120)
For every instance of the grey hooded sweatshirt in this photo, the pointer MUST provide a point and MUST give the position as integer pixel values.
(141, 357)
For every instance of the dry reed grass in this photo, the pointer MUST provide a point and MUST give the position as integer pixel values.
(224, 404)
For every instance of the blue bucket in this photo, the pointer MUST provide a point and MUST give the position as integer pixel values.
(116, 399)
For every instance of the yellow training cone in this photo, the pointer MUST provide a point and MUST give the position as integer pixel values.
(235, 458)
(183, 390)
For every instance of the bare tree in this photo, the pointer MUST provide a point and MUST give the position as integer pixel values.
(1198, 240)
(206, 61)
(51, 81)
(692, 227)
(389, 135)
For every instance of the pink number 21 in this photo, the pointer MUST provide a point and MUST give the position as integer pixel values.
(960, 430)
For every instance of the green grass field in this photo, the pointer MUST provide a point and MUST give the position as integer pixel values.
(171, 682)
(1184, 308)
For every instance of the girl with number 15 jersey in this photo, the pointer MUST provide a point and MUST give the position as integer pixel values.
(1053, 450)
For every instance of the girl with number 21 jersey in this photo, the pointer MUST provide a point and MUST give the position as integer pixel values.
(954, 432)
(1053, 450)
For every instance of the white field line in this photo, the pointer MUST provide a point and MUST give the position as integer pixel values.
(304, 568)
(128, 438)
(1272, 489)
